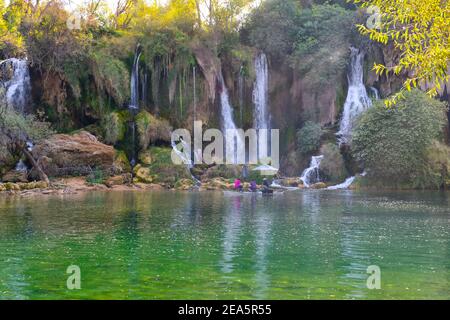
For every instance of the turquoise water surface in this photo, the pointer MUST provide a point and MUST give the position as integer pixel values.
(167, 245)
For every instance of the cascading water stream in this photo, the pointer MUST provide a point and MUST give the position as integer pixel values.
(227, 118)
(357, 99)
(344, 185)
(134, 83)
(261, 118)
(241, 94)
(15, 80)
(357, 102)
(311, 174)
(134, 103)
(375, 93)
(186, 159)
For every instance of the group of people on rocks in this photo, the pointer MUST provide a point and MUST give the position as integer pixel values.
(238, 186)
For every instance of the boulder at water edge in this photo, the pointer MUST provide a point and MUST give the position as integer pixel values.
(62, 153)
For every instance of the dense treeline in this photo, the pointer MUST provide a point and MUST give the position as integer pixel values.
(80, 62)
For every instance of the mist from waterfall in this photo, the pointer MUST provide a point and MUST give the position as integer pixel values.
(227, 120)
(357, 98)
(261, 116)
(16, 84)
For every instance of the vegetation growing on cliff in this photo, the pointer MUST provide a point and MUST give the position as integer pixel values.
(81, 73)
(393, 144)
(420, 30)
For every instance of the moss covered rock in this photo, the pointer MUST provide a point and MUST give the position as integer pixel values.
(12, 186)
(142, 174)
(121, 163)
(332, 166)
(184, 184)
(145, 157)
(223, 171)
(290, 182)
(319, 185)
(151, 129)
(162, 170)
(114, 127)
(217, 184)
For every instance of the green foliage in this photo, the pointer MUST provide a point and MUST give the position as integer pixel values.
(11, 41)
(114, 128)
(111, 75)
(162, 169)
(437, 172)
(308, 138)
(15, 130)
(323, 33)
(96, 177)
(419, 31)
(392, 143)
(332, 166)
(151, 129)
(272, 27)
(20, 127)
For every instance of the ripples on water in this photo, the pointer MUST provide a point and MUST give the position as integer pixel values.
(300, 245)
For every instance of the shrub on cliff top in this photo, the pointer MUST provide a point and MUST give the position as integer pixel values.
(392, 142)
(308, 138)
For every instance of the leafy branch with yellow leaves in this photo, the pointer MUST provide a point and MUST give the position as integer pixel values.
(420, 31)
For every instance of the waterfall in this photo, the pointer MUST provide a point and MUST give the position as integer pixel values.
(186, 159)
(375, 93)
(311, 174)
(194, 78)
(357, 99)
(21, 166)
(241, 94)
(134, 92)
(344, 185)
(134, 102)
(261, 118)
(227, 117)
(15, 80)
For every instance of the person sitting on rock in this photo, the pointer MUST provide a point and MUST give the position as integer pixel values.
(266, 185)
(238, 185)
(253, 186)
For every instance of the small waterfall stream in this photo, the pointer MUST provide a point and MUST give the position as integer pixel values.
(15, 80)
(311, 174)
(134, 83)
(186, 159)
(357, 98)
(241, 82)
(134, 103)
(261, 118)
(375, 94)
(227, 117)
(345, 185)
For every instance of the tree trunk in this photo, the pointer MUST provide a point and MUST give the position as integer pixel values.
(199, 15)
(38, 168)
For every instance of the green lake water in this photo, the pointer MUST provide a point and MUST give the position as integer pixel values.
(167, 245)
